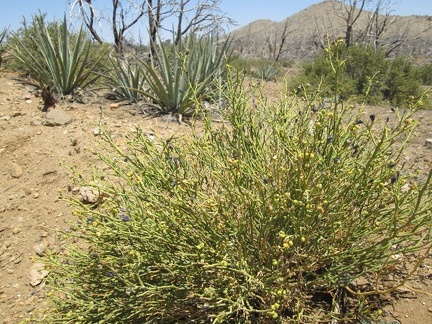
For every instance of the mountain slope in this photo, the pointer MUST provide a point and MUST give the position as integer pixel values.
(408, 35)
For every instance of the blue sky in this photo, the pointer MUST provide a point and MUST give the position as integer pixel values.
(243, 11)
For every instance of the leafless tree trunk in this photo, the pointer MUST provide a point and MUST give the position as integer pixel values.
(349, 11)
(283, 40)
(121, 23)
(124, 15)
(154, 16)
(87, 13)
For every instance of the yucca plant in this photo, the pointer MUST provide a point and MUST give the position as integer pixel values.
(60, 62)
(3, 34)
(181, 73)
(266, 72)
(126, 76)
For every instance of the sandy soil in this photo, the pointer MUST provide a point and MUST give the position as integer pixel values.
(34, 177)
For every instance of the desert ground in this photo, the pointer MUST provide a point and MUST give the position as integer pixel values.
(36, 149)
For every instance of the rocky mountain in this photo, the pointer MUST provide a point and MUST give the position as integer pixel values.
(305, 33)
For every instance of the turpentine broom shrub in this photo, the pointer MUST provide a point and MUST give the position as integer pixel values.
(287, 213)
(394, 80)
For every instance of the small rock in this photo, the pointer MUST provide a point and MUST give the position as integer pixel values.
(96, 131)
(16, 171)
(428, 143)
(40, 248)
(35, 122)
(57, 118)
(31, 309)
(114, 106)
(89, 195)
(37, 274)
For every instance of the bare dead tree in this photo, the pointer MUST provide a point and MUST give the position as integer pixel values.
(323, 28)
(124, 15)
(205, 15)
(282, 42)
(380, 20)
(191, 16)
(349, 11)
(87, 12)
(120, 22)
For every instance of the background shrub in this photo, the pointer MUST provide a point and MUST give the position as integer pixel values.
(273, 217)
(401, 81)
(367, 74)
(425, 73)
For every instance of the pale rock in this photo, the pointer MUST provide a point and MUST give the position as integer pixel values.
(89, 195)
(37, 274)
(57, 118)
(96, 131)
(40, 248)
(16, 171)
(35, 122)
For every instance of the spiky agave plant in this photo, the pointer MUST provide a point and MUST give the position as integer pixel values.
(59, 62)
(181, 73)
(127, 77)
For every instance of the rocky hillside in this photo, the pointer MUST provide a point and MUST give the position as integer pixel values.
(408, 35)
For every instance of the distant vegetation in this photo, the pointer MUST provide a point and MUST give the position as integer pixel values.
(367, 74)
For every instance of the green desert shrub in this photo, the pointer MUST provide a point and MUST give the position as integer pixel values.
(401, 81)
(367, 74)
(286, 213)
(424, 73)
